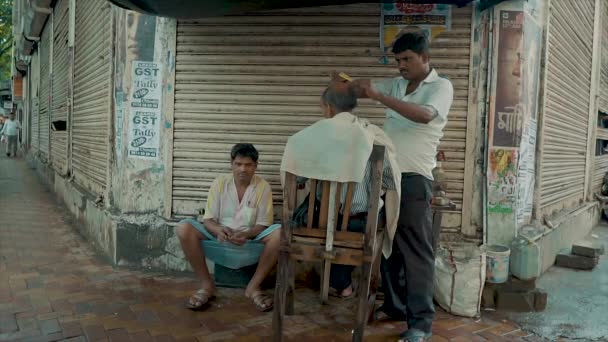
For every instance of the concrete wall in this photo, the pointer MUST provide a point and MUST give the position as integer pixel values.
(574, 226)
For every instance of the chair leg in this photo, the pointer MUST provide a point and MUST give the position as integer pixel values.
(280, 296)
(363, 306)
(374, 282)
(289, 309)
(325, 282)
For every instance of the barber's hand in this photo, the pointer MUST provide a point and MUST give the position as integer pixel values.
(364, 89)
(225, 234)
(239, 238)
(335, 77)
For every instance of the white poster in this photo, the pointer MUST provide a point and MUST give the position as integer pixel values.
(145, 111)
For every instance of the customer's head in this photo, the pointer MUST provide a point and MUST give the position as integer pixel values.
(338, 98)
(412, 55)
(12, 116)
(244, 162)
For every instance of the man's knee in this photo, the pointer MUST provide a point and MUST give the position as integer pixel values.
(185, 231)
(274, 238)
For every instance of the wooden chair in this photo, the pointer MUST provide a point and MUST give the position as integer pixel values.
(329, 245)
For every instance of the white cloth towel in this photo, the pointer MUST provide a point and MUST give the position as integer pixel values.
(338, 150)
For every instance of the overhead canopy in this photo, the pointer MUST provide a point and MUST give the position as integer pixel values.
(198, 9)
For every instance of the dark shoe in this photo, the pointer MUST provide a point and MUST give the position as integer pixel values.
(8, 155)
(415, 335)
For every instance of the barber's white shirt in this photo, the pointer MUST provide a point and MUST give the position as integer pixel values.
(416, 143)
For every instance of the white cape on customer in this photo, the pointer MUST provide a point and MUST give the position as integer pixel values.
(338, 149)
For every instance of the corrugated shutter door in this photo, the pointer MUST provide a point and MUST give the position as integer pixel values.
(603, 103)
(259, 78)
(92, 93)
(566, 116)
(45, 85)
(35, 77)
(59, 148)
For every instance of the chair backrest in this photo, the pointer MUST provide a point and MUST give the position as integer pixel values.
(331, 196)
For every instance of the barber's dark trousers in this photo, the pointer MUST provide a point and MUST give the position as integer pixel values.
(408, 274)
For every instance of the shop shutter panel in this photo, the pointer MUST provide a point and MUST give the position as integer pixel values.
(258, 78)
(45, 91)
(35, 80)
(566, 114)
(59, 103)
(92, 94)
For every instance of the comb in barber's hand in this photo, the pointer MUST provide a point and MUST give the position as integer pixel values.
(345, 77)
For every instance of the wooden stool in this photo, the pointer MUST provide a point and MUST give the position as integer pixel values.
(329, 246)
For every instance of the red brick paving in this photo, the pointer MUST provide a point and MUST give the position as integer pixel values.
(53, 287)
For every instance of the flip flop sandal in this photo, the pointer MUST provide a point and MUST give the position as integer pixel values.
(262, 302)
(199, 300)
(334, 293)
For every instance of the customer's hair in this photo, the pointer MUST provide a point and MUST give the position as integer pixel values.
(244, 150)
(340, 96)
(415, 41)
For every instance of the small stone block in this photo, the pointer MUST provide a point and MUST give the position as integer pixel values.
(488, 297)
(227, 277)
(540, 300)
(576, 261)
(516, 301)
(588, 249)
(515, 284)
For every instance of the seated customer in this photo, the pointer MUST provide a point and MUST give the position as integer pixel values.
(338, 149)
(239, 208)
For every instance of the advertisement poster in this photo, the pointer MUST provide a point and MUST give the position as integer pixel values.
(507, 121)
(502, 180)
(145, 111)
(531, 68)
(526, 173)
(399, 18)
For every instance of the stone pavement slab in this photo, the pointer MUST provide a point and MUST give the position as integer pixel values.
(53, 287)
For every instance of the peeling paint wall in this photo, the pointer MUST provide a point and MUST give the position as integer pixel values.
(138, 185)
(512, 118)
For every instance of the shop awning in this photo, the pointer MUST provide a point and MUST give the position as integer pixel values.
(198, 9)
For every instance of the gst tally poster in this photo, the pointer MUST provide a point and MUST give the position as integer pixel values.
(508, 110)
(399, 17)
(145, 111)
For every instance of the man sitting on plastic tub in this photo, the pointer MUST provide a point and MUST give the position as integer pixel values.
(236, 230)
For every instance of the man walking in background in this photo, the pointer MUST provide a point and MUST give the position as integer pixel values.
(11, 131)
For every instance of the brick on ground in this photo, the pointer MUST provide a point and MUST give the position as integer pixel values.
(586, 248)
(567, 260)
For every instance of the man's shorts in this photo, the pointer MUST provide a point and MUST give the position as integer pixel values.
(228, 254)
(201, 228)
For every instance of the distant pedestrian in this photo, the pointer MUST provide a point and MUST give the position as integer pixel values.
(10, 130)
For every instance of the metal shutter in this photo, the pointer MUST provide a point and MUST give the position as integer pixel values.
(45, 91)
(603, 103)
(601, 162)
(35, 89)
(258, 79)
(92, 94)
(59, 141)
(566, 114)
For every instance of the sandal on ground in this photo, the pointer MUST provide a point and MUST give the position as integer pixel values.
(335, 293)
(415, 335)
(262, 302)
(382, 316)
(199, 300)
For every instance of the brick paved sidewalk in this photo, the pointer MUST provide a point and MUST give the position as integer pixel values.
(53, 287)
